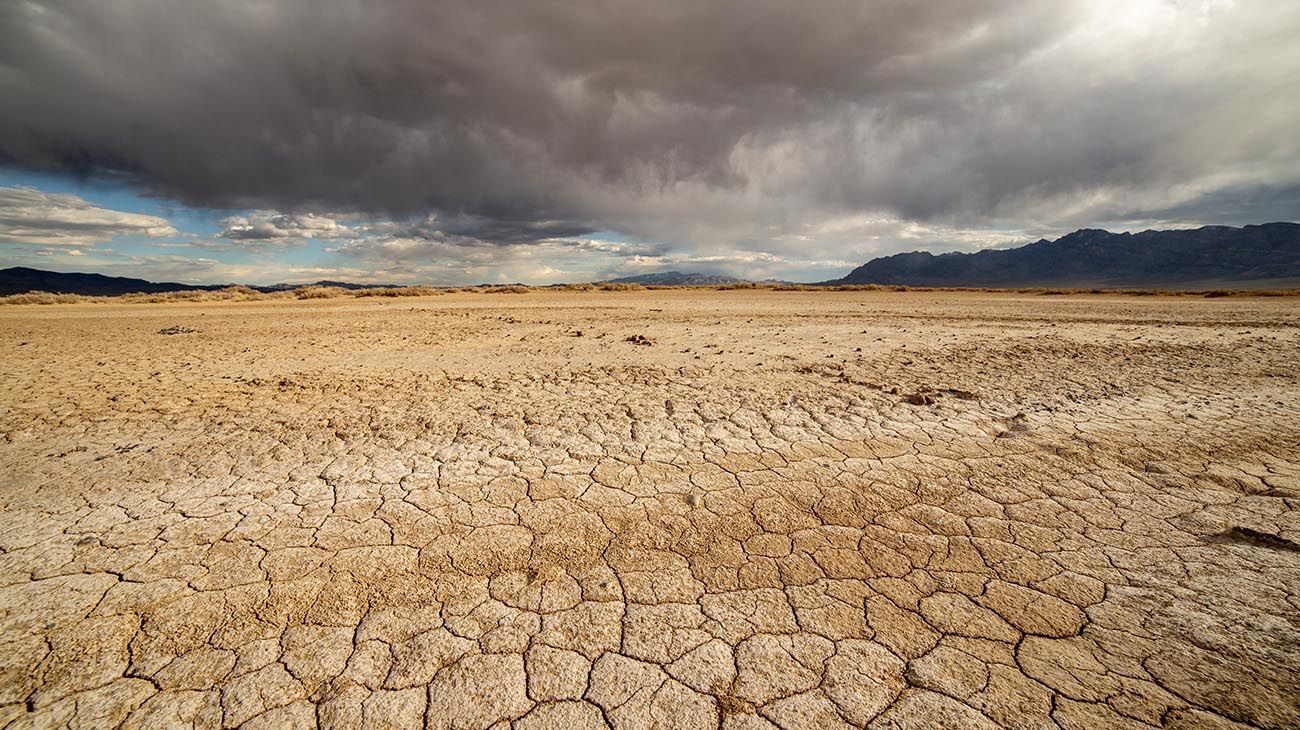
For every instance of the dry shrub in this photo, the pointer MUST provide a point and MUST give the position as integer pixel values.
(619, 286)
(398, 291)
(227, 294)
(508, 289)
(767, 285)
(188, 295)
(580, 287)
(866, 287)
(319, 292)
(244, 294)
(43, 297)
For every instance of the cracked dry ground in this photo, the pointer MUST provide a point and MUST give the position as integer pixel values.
(787, 509)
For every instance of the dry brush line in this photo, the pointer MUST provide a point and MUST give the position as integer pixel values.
(42, 297)
(247, 294)
(399, 291)
(231, 293)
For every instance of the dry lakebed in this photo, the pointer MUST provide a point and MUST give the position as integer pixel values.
(669, 508)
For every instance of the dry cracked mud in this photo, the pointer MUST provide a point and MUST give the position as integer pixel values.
(777, 509)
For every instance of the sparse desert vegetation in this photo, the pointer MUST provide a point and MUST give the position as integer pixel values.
(687, 507)
(244, 293)
(42, 297)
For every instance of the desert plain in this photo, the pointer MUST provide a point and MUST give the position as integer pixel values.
(676, 508)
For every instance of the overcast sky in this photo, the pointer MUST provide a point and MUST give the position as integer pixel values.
(548, 140)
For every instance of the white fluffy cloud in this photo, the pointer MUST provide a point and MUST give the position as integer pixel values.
(30, 216)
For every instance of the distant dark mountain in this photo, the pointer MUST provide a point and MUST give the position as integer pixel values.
(677, 278)
(1205, 257)
(21, 279)
(322, 282)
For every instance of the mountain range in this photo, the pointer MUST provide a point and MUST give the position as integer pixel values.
(1211, 256)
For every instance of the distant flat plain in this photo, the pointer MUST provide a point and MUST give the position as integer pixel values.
(676, 508)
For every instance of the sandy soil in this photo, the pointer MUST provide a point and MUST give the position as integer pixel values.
(781, 508)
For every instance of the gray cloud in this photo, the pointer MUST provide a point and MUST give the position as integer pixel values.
(722, 128)
(265, 225)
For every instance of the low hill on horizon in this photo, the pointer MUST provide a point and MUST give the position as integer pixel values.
(677, 278)
(1210, 256)
(22, 279)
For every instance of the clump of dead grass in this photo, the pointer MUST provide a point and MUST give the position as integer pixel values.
(398, 291)
(507, 289)
(246, 294)
(188, 295)
(42, 297)
(868, 287)
(227, 294)
(619, 286)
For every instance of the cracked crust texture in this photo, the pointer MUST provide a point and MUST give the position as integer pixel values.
(656, 509)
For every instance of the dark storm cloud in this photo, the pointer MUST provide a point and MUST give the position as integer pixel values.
(504, 231)
(485, 106)
(700, 123)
